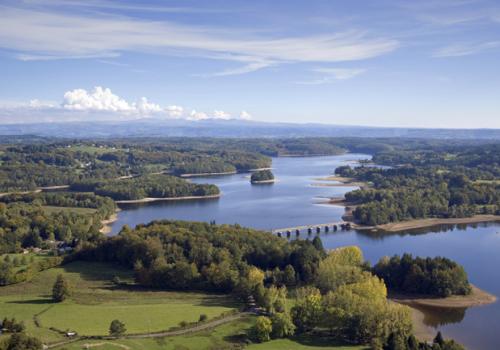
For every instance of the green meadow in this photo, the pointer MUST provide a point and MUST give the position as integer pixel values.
(96, 301)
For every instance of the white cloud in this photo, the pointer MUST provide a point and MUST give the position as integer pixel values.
(99, 99)
(331, 74)
(37, 34)
(174, 111)
(194, 115)
(244, 115)
(221, 115)
(37, 104)
(458, 50)
(145, 107)
(100, 103)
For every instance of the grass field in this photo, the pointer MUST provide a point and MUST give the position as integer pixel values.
(96, 301)
(52, 209)
(223, 337)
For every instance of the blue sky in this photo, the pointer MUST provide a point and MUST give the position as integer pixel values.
(429, 63)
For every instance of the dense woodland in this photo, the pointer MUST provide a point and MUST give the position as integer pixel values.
(438, 276)
(155, 186)
(33, 220)
(445, 182)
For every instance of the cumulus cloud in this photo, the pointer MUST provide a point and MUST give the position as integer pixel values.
(102, 103)
(174, 111)
(244, 115)
(145, 107)
(194, 115)
(99, 99)
(221, 115)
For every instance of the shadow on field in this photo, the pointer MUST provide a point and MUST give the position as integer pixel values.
(318, 342)
(93, 271)
(31, 301)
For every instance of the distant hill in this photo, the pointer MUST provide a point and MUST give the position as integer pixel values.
(231, 128)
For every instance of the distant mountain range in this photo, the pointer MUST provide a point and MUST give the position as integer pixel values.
(230, 128)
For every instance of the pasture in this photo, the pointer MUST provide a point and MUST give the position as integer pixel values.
(96, 301)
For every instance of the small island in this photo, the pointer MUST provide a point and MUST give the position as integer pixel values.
(262, 177)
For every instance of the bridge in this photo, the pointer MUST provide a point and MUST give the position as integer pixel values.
(316, 228)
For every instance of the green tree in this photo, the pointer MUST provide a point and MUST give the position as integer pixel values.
(289, 275)
(117, 328)
(282, 325)
(60, 290)
(307, 310)
(20, 341)
(261, 331)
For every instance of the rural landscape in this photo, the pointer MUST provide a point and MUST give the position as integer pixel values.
(235, 175)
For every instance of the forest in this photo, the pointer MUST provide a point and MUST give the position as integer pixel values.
(446, 182)
(34, 220)
(439, 277)
(146, 186)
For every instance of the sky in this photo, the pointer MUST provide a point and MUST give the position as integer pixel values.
(427, 63)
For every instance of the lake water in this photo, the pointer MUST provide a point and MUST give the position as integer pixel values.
(293, 201)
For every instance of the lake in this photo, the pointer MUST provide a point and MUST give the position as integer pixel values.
(294, 200)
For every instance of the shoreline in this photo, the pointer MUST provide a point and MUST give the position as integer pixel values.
(425, 332)
(208, 174)
(256, 169)
(342, 182)
(106, 227)
(153, 199)
(263, 182)
(422, 223)
(308, 155)
(477, 297)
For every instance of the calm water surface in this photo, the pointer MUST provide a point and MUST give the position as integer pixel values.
(293, 200)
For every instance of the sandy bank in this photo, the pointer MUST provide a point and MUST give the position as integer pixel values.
(259, 169)
(476, 298)
(106, 228)
(263, 182)
(419, 223)
(209, 174)
(151, 199)
(341, 182)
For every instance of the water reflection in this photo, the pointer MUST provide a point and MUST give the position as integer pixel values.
(440, 228)
(436, 317)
